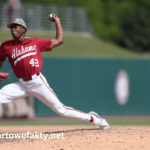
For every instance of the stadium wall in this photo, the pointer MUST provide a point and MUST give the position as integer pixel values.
(107, 86)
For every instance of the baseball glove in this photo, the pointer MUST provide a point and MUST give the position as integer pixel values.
(3, 76)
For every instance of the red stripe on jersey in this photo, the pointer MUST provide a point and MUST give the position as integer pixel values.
(76, 110)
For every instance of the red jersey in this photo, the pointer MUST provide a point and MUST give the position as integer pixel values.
(25, 56)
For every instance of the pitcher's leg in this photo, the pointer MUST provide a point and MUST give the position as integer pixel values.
(46, 95)
(12, 92)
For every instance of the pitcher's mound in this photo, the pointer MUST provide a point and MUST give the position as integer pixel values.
(83, 138)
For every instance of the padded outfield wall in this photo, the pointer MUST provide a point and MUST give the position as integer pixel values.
(107, 86)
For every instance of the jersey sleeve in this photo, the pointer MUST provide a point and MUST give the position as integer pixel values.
(2, 54)
(44, 45)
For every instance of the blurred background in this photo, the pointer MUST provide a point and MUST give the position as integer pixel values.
(103, 64)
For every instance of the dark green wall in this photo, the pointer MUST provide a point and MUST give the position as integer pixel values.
(88, 84)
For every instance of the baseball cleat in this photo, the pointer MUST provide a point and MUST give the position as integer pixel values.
(99, 121)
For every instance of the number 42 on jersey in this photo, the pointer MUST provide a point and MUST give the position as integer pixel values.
(34, 62)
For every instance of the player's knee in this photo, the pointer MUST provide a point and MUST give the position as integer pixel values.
(64, 112)
(61, 111)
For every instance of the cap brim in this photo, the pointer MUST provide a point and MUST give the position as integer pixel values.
(10, 24)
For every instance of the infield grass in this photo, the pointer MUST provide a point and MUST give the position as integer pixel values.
(60, 123)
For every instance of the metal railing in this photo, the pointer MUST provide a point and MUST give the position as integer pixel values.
(36, 17)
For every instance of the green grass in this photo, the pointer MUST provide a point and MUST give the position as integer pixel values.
(33, 123)
(78, 45)
(60, 123)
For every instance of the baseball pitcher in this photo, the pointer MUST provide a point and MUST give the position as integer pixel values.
(24, 55)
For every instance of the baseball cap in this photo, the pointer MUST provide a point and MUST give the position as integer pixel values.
(18, 21)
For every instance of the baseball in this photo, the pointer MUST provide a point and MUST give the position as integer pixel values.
(51, 16)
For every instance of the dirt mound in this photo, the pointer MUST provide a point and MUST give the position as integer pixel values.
(82, 138)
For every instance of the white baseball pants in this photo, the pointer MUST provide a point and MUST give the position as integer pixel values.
(39, 88)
